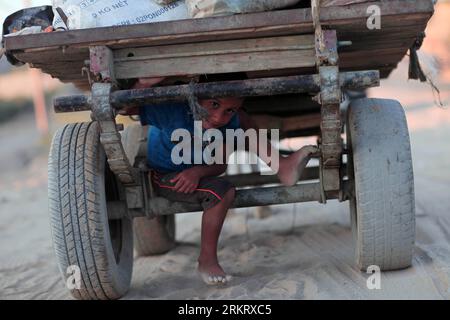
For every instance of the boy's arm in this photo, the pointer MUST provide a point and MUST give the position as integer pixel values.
(187, 181)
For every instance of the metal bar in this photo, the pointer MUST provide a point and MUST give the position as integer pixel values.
(241, 88)
(123, 99)
(306, 192)
(330, 99)
(244, 198)
(110, 137)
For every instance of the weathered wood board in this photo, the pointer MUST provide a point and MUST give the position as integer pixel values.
(228, 43)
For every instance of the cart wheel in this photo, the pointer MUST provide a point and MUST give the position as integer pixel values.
(151, 236)
(154, 236)
(382, 209)
(96, 249)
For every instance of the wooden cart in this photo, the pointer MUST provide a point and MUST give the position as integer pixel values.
(301, 62)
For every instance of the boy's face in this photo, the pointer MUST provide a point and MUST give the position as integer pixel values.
(220, 111)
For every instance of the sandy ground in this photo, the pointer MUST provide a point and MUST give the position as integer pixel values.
(301, 251)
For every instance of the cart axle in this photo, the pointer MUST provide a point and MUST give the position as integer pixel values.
(255, 197)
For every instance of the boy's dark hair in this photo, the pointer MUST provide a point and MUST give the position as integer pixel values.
(197, 111)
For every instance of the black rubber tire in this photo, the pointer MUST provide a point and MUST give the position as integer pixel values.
(383, 208)
(151, 236)
(79, 186)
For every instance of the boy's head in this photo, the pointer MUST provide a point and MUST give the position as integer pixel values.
(220, 110)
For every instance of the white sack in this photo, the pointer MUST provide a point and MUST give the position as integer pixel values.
(104, 13)
(209, 8)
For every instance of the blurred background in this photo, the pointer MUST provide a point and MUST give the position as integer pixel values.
(27, 124)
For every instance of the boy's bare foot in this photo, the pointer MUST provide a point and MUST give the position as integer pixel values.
(213, 274)
(291, 167)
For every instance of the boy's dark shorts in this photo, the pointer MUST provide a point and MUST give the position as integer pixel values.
(209, 193)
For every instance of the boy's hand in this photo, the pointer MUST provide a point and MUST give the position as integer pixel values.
(187, 181)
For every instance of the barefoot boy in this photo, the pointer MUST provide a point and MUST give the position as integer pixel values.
(200, 183)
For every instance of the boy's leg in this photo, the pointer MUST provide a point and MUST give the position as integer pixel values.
(212, 222)
(216, 196)
(289, 168)
(292, 166)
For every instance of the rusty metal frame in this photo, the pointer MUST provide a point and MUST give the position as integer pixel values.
(106, 101)
(110, 138)
(254, 197)
(330, 97)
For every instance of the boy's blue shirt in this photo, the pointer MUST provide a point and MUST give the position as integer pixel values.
(164, 119)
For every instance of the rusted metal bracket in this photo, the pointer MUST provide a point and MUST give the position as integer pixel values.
(102, 64)
(102, 67)
(325, 40)
(331, 128)
(330, 96)
(319, 41)
(110, 138)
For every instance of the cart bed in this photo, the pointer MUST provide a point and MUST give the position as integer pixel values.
(269, 43)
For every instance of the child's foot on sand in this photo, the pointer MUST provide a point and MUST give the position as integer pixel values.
(291, 167)
(213, 274)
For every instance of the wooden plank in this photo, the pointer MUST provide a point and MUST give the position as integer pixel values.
(54, 58)
(54, 55)
(74, 54)
(376, 45)
(370, 56)
(361, 35)
(367, 59)
(67, 66)
(303, 42)
(216, 57)
(401, 21)
(215, 64)
(230, 27)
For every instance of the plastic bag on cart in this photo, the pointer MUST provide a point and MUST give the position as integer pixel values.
(82, 14)
(209, 8)
(26, 21)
